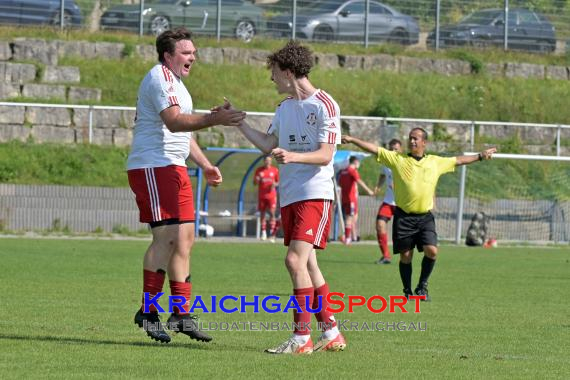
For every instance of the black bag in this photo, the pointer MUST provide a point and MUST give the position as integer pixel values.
(477, 231)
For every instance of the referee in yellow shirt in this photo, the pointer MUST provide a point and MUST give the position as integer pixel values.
(415, 178)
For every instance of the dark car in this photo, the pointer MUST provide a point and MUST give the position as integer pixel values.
(527, 30)
(239, 18)
(344, 20)
(28, 12)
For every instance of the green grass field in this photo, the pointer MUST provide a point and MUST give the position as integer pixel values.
(67, 309)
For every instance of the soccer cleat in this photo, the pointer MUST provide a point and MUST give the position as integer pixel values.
(187, 325)
(383, 260)
(408, 293)
(272, 239)
(150, 322)
(263, 235)
(291, 346)
(336, 344)
(422, 290)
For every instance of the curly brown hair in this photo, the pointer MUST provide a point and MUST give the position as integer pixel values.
(166, 41)
(294, 57)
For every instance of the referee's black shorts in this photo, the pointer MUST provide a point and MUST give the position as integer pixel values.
(413, 230)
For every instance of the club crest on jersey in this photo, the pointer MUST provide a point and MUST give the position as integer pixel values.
(311, 118)
(291, 138)
(303, 137)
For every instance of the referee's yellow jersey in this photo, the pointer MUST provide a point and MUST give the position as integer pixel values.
(415, 181)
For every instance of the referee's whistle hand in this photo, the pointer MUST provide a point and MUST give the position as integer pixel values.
(488, 153)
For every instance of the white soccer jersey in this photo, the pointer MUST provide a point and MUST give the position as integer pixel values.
(389, 195)
(153, 144)
(301, 126)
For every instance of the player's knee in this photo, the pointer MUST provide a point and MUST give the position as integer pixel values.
(292, 263)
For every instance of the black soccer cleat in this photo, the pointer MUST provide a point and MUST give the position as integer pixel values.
(150, 322)
(408, 293)
(422, 290)
(187, 325)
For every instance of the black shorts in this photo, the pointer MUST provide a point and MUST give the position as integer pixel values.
(413, 230)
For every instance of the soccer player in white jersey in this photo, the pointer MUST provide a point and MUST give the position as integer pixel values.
(158, 176)
(302, 138)
(388, 206)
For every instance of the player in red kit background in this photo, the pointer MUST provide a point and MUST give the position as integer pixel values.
(267, 179)
(348, 180)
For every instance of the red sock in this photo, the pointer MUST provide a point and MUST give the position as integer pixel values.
(347, 233)
(303, 319)
(272, 228)
(262, 223)
(152, 284)
(383, 241)
(324, 317)
(183, 289)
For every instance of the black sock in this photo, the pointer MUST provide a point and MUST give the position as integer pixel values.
(406, 275)
(427, 268)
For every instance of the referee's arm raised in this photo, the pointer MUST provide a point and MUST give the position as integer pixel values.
(484, 155)
(364, 145)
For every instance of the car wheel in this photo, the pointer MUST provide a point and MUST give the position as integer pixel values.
(399, 36)
(323, 33)
(159, 24)
(66, 19)
(245, 30)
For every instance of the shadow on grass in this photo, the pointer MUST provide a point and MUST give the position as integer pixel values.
(71, 340)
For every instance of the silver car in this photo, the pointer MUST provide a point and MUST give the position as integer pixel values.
(335, 20)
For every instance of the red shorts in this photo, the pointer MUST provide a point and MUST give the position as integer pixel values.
(350, 208)
(163, 193)
(385, 212)
(266, 204)
(308, 221)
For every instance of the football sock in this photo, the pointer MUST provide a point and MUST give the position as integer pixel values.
(152, 284)
(183, 289)
(347, 233)
(301, 339)
(331, 334)
(427, 268)
(325, 318)
(406, 275)
(302, 320)
(272, 228)
(383, 241)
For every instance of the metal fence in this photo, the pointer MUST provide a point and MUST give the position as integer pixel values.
(541, 26)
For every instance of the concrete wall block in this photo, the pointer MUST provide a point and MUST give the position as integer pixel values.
(48, 116)
(210, 55)
(235, 56)
(351, 62)
(80, 94)
(257, 57)
(416, 65)
(12, 115)
(451, 67)
(44, 91)
(5, 51)
(45, 52)
(17, 72)
(8, 90)
(101, 118)
(49, 133)
(234, 139)
(327, 61)
(148, 52)
(122, 136)
(557, 72)
(109, 50)
(382, 62)
(58, 74)
(209, 138)
(9, 132)
(103, 136)
(524, 70)
(495, 69)
(76, 48)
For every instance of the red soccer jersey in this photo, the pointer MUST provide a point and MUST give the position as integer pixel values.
(347, 182)
(265, 178)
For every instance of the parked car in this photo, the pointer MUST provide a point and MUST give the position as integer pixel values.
(239, 18)
(344, 20)
(527, 30)
(26, 12)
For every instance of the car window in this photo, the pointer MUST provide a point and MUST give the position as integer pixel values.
(527, 17)
(482, 18)
(378, 9)
(356, 7)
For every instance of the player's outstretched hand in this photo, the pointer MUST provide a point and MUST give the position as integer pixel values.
(282, 156)
(213, 176)
(226, 116)
(488, 153)
(345, 139)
